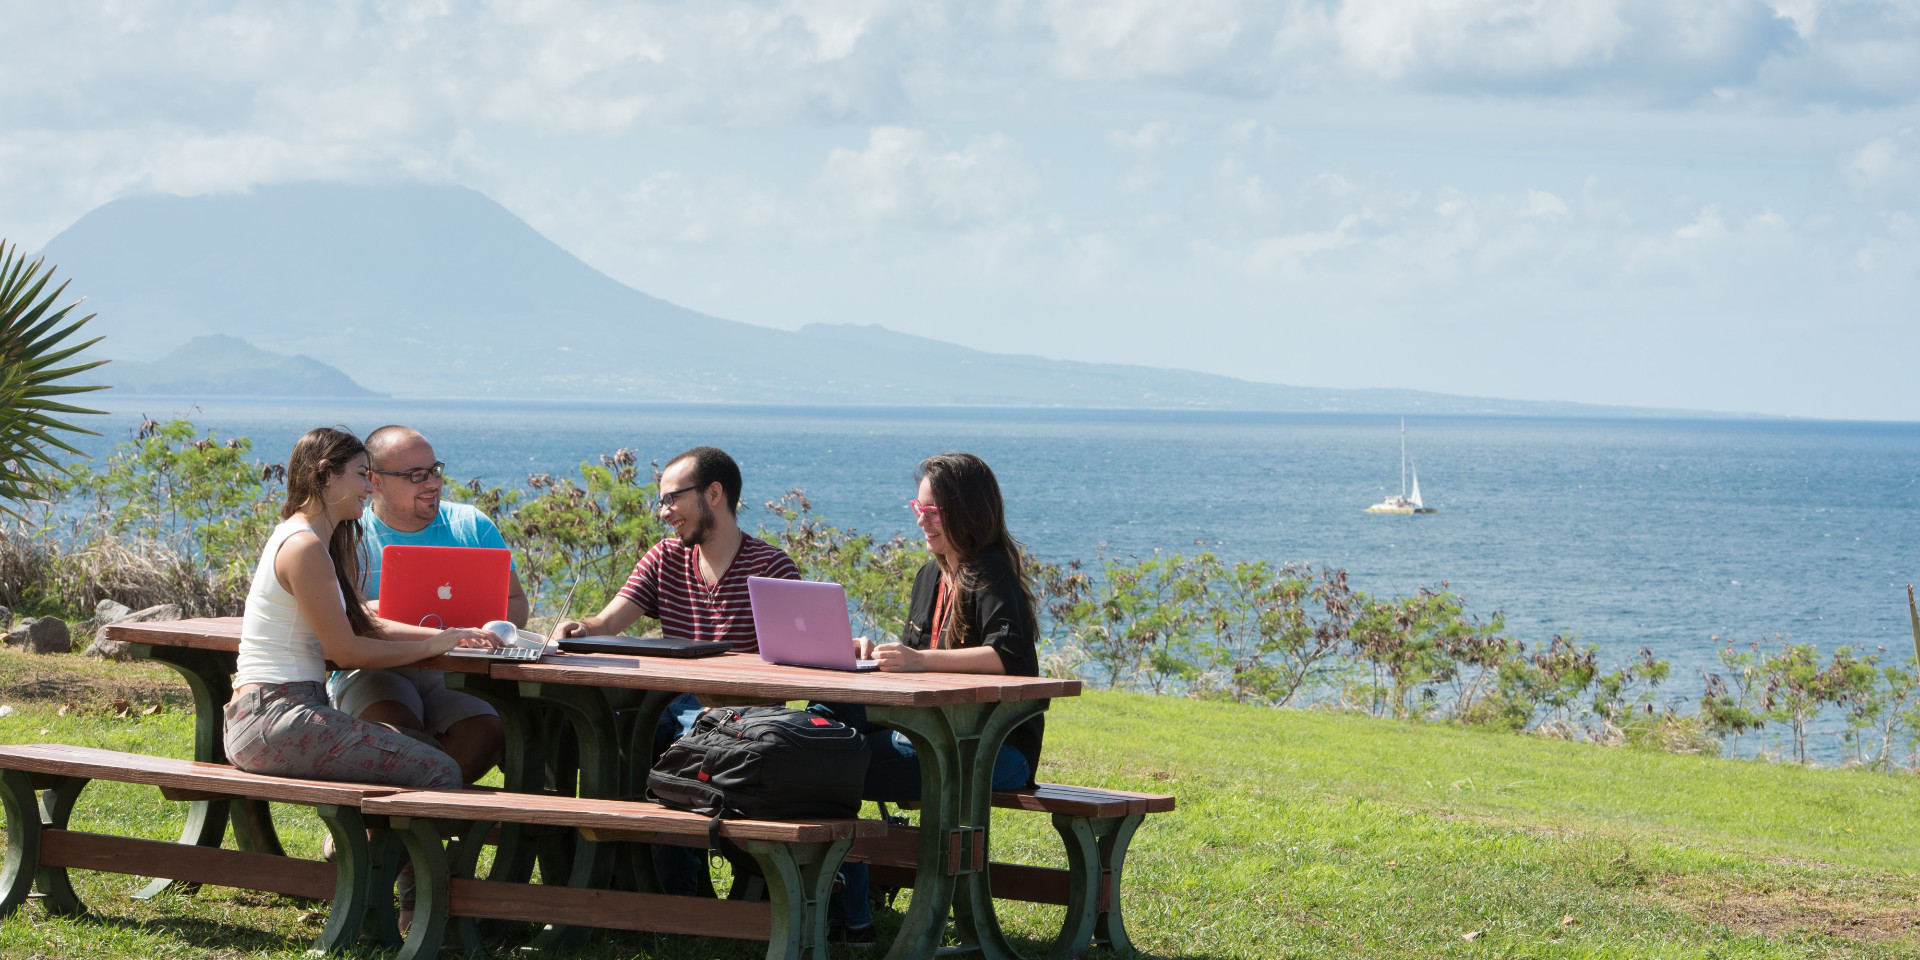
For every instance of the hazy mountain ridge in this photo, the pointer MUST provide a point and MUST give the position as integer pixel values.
(219, 365)
(423, 290)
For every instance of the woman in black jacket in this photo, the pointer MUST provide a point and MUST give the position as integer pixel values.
(972, 611)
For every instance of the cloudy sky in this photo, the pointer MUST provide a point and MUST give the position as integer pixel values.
(1690, 203)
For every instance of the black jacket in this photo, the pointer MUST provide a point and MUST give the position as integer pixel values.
(999, 616)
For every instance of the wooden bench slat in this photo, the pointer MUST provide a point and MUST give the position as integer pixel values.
(618, 910)
(1153, 802)
(605, 815)
(182, 861)
(182, 775)
(1010, 881)
(1077, 801)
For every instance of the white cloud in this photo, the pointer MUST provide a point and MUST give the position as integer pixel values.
(1150, 137)
(1663, 50)
(1145, 145)
(1886, 168)
(953, 164)
(1708, 227)
(907, 176)
(1540, 203)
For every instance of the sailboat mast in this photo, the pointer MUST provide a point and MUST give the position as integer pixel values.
(1403, 457)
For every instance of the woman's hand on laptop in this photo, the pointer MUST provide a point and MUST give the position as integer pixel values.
(897, 658)
(446, 640)
(863, 648)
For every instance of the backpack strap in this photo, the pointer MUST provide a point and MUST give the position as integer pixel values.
(746, 870)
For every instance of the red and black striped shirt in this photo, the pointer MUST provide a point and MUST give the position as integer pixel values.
(666, 585)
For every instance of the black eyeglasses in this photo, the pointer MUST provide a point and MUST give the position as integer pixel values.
(666, 499)
(417, 474)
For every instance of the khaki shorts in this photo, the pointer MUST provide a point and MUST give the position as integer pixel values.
(422, 691)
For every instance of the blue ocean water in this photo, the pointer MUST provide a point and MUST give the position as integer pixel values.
(1627, 533)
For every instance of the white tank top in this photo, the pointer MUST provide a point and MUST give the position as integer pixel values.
(277, 645)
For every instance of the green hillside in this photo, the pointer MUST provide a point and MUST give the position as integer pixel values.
(1299, 835)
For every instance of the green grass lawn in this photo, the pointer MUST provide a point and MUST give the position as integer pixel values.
(1298, 835)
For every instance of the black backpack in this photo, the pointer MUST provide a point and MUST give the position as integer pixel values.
(763, 763)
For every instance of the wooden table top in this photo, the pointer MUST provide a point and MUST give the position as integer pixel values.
(223, 634)
(733, 674)
(746, 675)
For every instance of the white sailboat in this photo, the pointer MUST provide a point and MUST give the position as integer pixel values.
(1403, 503)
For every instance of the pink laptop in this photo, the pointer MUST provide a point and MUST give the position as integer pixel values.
(444, 587)
(803, 624)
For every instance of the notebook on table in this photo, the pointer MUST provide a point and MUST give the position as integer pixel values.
(804, 624)
(645, 646)
(444, 587)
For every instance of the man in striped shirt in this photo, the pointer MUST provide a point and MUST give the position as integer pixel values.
(695, 583)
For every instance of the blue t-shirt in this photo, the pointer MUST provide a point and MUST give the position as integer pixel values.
(458, 525)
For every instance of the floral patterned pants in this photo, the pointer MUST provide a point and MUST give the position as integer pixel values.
(288, 730)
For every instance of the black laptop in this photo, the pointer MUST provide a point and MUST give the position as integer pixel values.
(645, 646)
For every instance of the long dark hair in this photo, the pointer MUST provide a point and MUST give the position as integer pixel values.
(973, 519)
(318, 456)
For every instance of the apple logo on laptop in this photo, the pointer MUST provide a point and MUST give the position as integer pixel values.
(800, 624)
(446, 590)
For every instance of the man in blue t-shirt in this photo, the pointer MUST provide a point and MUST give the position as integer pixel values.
(406, 508)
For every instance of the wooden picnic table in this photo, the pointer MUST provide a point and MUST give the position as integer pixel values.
(956, 722)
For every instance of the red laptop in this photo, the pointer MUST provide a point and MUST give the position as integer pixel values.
(444, 587)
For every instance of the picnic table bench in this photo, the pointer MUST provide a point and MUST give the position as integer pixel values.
(1096, 827)
(41, 783)
(610, 706)
(797, 860)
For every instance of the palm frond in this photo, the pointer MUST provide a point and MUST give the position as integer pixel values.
(31, 358)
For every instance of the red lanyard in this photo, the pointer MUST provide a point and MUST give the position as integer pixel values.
(941, 602)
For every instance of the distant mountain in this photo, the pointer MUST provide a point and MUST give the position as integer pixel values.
(438, 291)
(219, 365)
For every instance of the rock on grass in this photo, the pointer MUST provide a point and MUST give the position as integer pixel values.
(42, 635)
(110, 612)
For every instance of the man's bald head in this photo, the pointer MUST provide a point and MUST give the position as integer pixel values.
(399, 502)
(385, 438)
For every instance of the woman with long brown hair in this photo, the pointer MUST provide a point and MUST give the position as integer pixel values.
(304, 608)
(972, 611)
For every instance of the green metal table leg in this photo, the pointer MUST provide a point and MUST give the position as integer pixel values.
(1096, 855)
(253, 829)
(56, 806)
(520, 768)
(463, 858)
(636, 753)
(209, 677)
(804, 874)
(386, 852)
(957, 745)
(353, 878)
(596, 736)
(23, 840)
(430, 877)
(923, 928)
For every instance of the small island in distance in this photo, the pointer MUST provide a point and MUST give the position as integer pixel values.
(217, 365)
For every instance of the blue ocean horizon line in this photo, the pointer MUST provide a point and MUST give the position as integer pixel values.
(1627, 533)
(127, 403)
